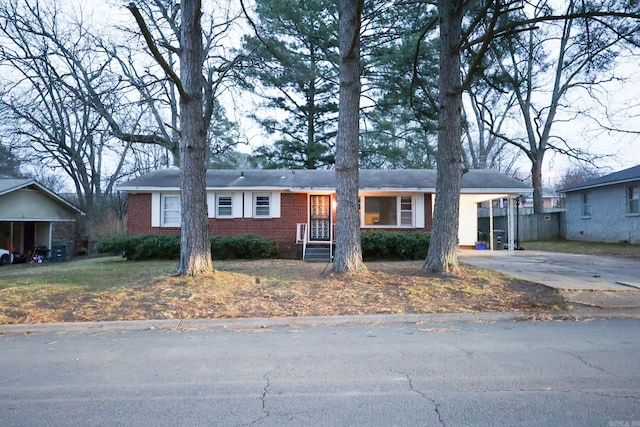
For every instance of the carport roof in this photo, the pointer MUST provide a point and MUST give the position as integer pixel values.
(9, 185)
(474, 181)
(620, 177)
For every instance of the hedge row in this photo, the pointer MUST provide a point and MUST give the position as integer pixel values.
(168, 247)
(375, 245)
(395, 245)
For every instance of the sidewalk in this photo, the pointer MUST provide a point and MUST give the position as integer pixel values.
(596, 281)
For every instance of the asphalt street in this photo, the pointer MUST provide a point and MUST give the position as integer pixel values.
(445, 373)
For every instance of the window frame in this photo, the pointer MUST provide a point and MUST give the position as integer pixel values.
(633, 199)
(257, 206)
(398, 214)
(164, 210)
(585, 205)
(229, 206)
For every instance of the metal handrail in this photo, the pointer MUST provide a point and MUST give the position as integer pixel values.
(301, 232)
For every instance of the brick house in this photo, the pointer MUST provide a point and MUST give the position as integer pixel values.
(297, 208)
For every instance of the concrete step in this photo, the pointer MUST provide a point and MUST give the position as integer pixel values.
(321, 253)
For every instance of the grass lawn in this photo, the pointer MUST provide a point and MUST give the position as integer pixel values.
(111, 288)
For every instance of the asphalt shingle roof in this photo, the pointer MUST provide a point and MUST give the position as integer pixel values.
(476, 180)
(626, 175)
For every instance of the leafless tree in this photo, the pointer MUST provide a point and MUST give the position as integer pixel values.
(46, 55)
(551, 61)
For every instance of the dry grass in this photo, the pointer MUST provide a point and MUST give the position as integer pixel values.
(114, 289)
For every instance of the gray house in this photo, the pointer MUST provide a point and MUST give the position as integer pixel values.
(32, 216)
(605, 209)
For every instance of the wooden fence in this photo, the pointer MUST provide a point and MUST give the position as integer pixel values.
(530, 227)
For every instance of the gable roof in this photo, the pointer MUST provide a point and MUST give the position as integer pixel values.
(9, 185)
(620, 177)
(474, 181)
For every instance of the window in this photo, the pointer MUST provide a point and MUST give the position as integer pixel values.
(171, 211)
(390, 211)
(406, 211)
(586, 206)
(633, 200)
(262, 204)
(224, 206)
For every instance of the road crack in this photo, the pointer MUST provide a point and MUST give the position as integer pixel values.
(434, 402)
(263, 401)
(589, 364)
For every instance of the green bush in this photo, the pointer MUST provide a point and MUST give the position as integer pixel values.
(242, 247)
(395, 244)
(156, 247)
(118, 245)
(167, 246)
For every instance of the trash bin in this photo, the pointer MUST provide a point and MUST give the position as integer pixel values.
(498, 239)
(58, 253)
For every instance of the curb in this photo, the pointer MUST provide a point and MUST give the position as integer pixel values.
(252, 324)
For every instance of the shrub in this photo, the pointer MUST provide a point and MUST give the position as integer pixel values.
(156, 247)
(395, 244)
(118, 245)
(167, 246)
(242, 247)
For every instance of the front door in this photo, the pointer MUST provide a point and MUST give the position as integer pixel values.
(320, 218)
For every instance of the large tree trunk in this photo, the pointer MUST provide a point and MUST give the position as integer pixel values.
(442, 255)
(195, 247)
(536, 180)
(348, 256)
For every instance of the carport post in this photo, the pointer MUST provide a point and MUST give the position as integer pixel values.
(510, 221)
(491, 239)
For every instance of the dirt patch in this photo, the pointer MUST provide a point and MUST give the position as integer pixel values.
(277, 288)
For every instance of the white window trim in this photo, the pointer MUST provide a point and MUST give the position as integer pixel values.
(217, 205)
(583, 197)
(249, 204)
(630, 200)
(415, 200)
(163, 210)
(255, 204)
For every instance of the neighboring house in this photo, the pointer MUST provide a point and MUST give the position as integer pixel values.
(31, 216)
(605, 209)
(296, 208)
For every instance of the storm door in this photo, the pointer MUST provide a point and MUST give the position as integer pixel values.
(320, 217)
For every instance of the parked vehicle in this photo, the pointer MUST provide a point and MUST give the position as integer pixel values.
(6, 257)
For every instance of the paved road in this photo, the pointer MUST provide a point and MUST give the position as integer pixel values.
(429, 374)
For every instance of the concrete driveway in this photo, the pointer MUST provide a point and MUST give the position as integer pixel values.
(600, 281)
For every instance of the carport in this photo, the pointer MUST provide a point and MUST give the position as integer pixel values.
(30, 215)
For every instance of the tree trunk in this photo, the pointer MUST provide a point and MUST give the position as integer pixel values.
(442, 255)
(536, 180)
(195, 247)
(348, 256)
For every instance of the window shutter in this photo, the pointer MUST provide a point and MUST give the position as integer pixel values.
(248, 205)
(237, 205)
(155, 209)
(419, 210)
(211, 205)
(275, 205)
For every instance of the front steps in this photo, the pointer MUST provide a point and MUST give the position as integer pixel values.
(317, 253)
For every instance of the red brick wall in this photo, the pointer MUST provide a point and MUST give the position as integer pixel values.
(293, 210)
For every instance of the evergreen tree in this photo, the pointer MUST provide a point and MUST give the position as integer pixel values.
(294, 49)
